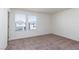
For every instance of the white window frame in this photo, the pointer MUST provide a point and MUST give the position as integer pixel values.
(32, 22)
(17, 25)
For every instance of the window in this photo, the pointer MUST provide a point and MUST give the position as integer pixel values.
(32, 22)
(20, 22)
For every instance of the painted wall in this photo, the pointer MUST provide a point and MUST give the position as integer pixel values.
(66, 24)
(3, 27)
(43, 25)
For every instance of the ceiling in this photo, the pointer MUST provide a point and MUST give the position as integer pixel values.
(44, 10)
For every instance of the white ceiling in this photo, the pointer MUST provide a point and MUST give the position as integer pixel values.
(44, 10)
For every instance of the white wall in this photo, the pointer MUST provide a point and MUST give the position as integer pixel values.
(3, 27)
(43, 25)
(66, 24)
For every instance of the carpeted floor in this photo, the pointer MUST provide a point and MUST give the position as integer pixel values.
(45, 42)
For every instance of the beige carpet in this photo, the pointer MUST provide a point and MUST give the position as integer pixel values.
(45, 42)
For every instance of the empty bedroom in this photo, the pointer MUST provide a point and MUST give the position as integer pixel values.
(39, 28)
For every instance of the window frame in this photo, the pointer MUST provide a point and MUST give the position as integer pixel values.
(25, 28)
(30, 23)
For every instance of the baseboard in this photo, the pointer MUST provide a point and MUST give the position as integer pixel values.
(31, 36)
(64, 37)
(45, 35)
